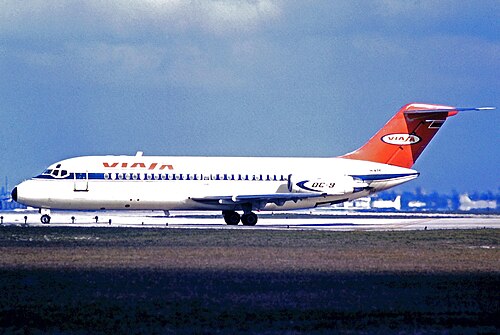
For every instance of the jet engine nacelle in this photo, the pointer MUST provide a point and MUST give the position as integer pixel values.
(330, 185)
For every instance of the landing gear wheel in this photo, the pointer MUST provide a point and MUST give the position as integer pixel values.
(249, 219)
(45, 219)
(232, 218)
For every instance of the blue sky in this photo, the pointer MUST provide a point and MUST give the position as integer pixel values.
(246, 78)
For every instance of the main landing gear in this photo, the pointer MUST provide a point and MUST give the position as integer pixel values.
(232, 218)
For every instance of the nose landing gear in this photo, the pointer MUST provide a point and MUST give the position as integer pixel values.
(45, 219)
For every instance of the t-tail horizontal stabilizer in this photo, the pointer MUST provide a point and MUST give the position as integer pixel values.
(452, 109)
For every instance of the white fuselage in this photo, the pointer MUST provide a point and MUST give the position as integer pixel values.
(178, 183)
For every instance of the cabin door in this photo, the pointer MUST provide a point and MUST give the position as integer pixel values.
(81, 182)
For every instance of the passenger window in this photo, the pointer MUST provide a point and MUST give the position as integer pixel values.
(106, 176)
(120, 176)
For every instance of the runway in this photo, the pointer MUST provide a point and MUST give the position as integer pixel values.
(297, 221)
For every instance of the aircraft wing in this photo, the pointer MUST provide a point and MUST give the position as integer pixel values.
(258, 201)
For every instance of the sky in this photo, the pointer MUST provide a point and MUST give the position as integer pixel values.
(247, 78)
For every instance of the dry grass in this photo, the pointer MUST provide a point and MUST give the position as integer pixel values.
(273, 251)
(244, 281)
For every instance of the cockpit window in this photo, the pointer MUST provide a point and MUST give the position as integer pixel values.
(57, 172)
(48, 171)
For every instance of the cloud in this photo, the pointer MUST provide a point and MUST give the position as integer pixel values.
(139, 42)
(378, 46)
(134, 17)
(428, 17)
(412, 8)
(116, 63)
(216, 16)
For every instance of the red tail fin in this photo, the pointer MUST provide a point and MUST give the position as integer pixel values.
(401, 141)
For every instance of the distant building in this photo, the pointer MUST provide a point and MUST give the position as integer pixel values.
(420, 201)
(6, 202)
(415, 204)
(466, 204)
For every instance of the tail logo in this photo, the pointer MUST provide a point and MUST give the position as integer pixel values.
(401, 139)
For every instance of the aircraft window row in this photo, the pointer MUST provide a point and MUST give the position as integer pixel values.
(189, 176)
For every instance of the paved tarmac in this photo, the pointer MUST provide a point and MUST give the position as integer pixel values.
(302, 221)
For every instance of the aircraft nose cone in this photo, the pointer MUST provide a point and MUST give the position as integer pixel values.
(14, 194)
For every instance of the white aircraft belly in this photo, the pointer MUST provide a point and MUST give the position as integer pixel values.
(139, 194)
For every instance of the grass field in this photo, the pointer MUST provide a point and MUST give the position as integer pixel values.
(103, 280)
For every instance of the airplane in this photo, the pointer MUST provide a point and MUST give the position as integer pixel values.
(238, 184)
